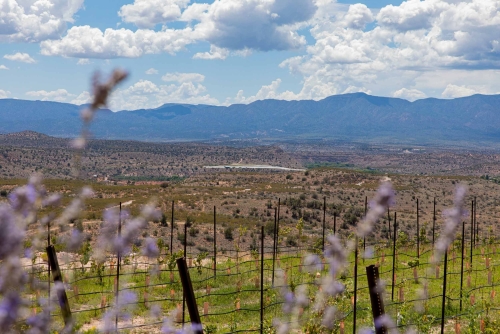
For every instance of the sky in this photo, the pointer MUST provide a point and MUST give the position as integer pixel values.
(238, 51)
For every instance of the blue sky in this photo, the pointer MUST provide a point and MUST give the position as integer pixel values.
(238, 51)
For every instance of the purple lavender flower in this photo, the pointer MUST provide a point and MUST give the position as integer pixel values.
(169, 328)
(150, 248)
(312, 263)
(155, 311)
(329, 317)
(289, 303)
(22, 199)
(385, 321)
(120, 309)
(383, 199)
(369, 252)
(40, 323)
(281, 327)
(453, 218)
(366, 331)
(335, 254)
(75, 240)
(9, 309)
(149, 212)
(52, 200)
(11, 235)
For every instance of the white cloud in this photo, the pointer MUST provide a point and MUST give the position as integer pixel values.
(407, 45)
(270, 91)
(59, 95)
(214, 53)
(83, 61)
(4, 94)
(183, 77)
(21, 57)
(253, 24)
(409, 94)
(358, 16)
(148, 13)
(195, 12)
(146, 94)
(3, 67)
(354, 89)
(152, 71)
(35, 20)
(83, 98)
(87, 42)
(453, 91)
(411, 15)
(142, 87)
(234, 25)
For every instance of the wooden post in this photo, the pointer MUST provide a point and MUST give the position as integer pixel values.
(75, 292)
(205, 308)
(443, 302)
(215, 242)
(274, 243)
(418, 231)
(377, 302)
(394, 256)
(434, 222)
(462, 264)
(262, 280)
(187, 288)
(61, 292)
(172, 231)
(354, 307)
(324, 222)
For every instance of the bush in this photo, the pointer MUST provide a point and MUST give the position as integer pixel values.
(163, 220)
(269, 228)
(353, 215)
(193, 231)
(292, 240)
(189, 221)
(228, 233)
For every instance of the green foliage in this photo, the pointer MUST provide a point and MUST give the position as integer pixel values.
(160, 244)
(163, 220)
(300, 226)
(228, 233)
(414, 263)
(269, 228)
(198, 262)
(85, 252)
(210, 329)
(171, 260)
(402, 240)
(353, 215)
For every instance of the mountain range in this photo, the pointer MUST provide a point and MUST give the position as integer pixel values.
(358, 117)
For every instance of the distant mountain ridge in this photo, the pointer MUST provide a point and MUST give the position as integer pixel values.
(357, 116)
